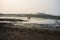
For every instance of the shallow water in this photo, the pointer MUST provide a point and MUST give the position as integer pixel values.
(39, 20)
(33, 20)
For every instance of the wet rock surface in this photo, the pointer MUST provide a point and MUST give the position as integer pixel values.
(7, 33)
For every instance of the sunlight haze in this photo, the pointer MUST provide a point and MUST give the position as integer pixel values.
(30, 6)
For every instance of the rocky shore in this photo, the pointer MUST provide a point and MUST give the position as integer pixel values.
(7, 33)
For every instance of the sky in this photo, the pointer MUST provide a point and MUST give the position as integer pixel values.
(30, 6)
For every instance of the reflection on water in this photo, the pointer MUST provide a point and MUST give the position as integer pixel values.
(39, 20)
(33, 20)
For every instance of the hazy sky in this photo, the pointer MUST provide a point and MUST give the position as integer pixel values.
(30, 6)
